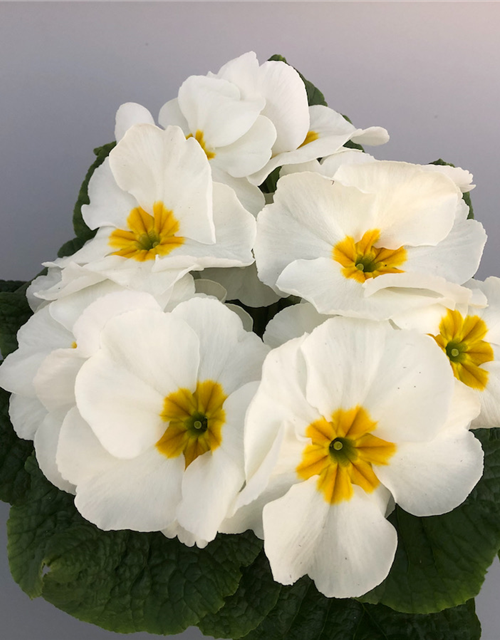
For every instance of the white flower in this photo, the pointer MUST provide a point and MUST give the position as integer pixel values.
(151, 202)
(303, 133)
(229, 128)
(53, 345)
(328, 132)
(345, 421)
(385, 237)
(470, 338)
(157, 440)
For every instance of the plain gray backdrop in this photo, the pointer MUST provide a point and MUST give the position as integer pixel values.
(429, 73)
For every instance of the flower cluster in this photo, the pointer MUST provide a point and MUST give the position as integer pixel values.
(152, 400)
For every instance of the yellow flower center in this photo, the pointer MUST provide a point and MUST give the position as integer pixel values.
(195, 421)
(201, 139)
(462, 341)
(310, 137)
(147, 235)
(342, 453)
(361, 260)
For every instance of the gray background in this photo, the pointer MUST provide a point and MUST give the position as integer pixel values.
(429, 73)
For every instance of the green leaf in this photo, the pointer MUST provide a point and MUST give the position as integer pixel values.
(14, 480)
(465, 196)
(257, 594)
(441, 561)
(314, 95)
(14, 312)
(70, 247)
(81, 229)
(122, 581)
(301, 613)
(8, 286)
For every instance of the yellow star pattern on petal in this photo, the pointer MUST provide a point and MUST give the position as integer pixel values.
(199, 137)
(195, 421)
(342, 452)
(361, 260)
(147, 235)
(462, 339)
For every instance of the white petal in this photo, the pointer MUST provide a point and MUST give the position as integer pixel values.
(123, 411)
(292, 322)
(243, 284)
(228, 354)
(235, 233)
(456, 258)
(414, 207)
(46, 439)
(26, 415)
(155, 165)
(43, 333)
(211, 289)
(250, 196)
(309, 216)
(175, 530)
(170, 114)
(140, 494)
(128, 115)
(54, 381)
(18, 371)
(431, 478)
(109, 205)
(401, 378)
(214, 106)
(490, 398)
(158, 348)
(461, 177)
(80, 456)
(88, 327)
(246, 318)
(347, 549)
(209, 486)
(286, 104)
(279, 399)
(250, 152)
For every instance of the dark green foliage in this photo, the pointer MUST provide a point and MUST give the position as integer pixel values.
(14, 480)
(119, 580)
(14, 312)
(441, 561)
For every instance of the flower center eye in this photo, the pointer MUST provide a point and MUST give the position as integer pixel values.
(148, 241)
(337, 445)
(454, 350)
(198, 423)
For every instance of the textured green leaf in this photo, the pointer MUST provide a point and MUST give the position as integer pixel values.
(441, 561)
(8, 286)
(119, 580)
(14, 312)
(301, 613)
(242, 612)
(71, 247)
(14, 480)
(465, 196)
(314, 95)
(81, 229)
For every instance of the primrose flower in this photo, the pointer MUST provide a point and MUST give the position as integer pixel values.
(470, 338)
(347, 421)
(382, 238)
(303, 133)
(53, 345)
(159, 215)
(156, 440)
